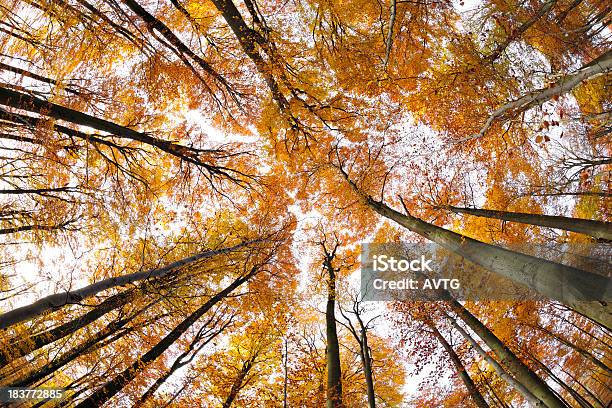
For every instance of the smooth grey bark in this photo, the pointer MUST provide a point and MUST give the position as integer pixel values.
(459, 367)
(538, 274)
(58, 300)
(583, 291)
(517, 385)
(596, 229)
(598, 66)
(535, 385)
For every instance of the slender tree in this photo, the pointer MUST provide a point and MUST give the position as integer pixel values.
(334, 372)
(596, 229)
(459, 367)
(517, 385)
(523, 374)
(204, 336)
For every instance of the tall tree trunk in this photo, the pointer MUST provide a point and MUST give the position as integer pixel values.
(37, 77)
(494, 394)
(55, 301)
(112, 387)
(182, 360)
(361, 336)
(366, 359)
(596, 229)
(389, 41)
(27, 102)
(26, 346)
(585, 388)
(584, 353)
(180, 49)
(518, 31)
(515, 366)
(517, 385)
(239, 382)
(334, 373)
(249, 40)
(598, 66)
(463, 374)
(571, 286)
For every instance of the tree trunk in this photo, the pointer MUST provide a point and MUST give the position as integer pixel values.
(367, 362)
(585, 388)
(37, 77)
(596, 229)
(463, 374)
(518, 31)
(180, 48)
(26, 346)
(517, 385)
(36, 105)
(585, 353)
(334, 373)
(517, 368)
(285, 373)
(58, 300)
(180, 361)
(112, 387)
(598, 66)
(571, 286)
(249, 40)
(239, 382)
(499, 401)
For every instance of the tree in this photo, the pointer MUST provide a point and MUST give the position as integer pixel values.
(332, 351)
(596, 229)
(360, 333)
(465, 377)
